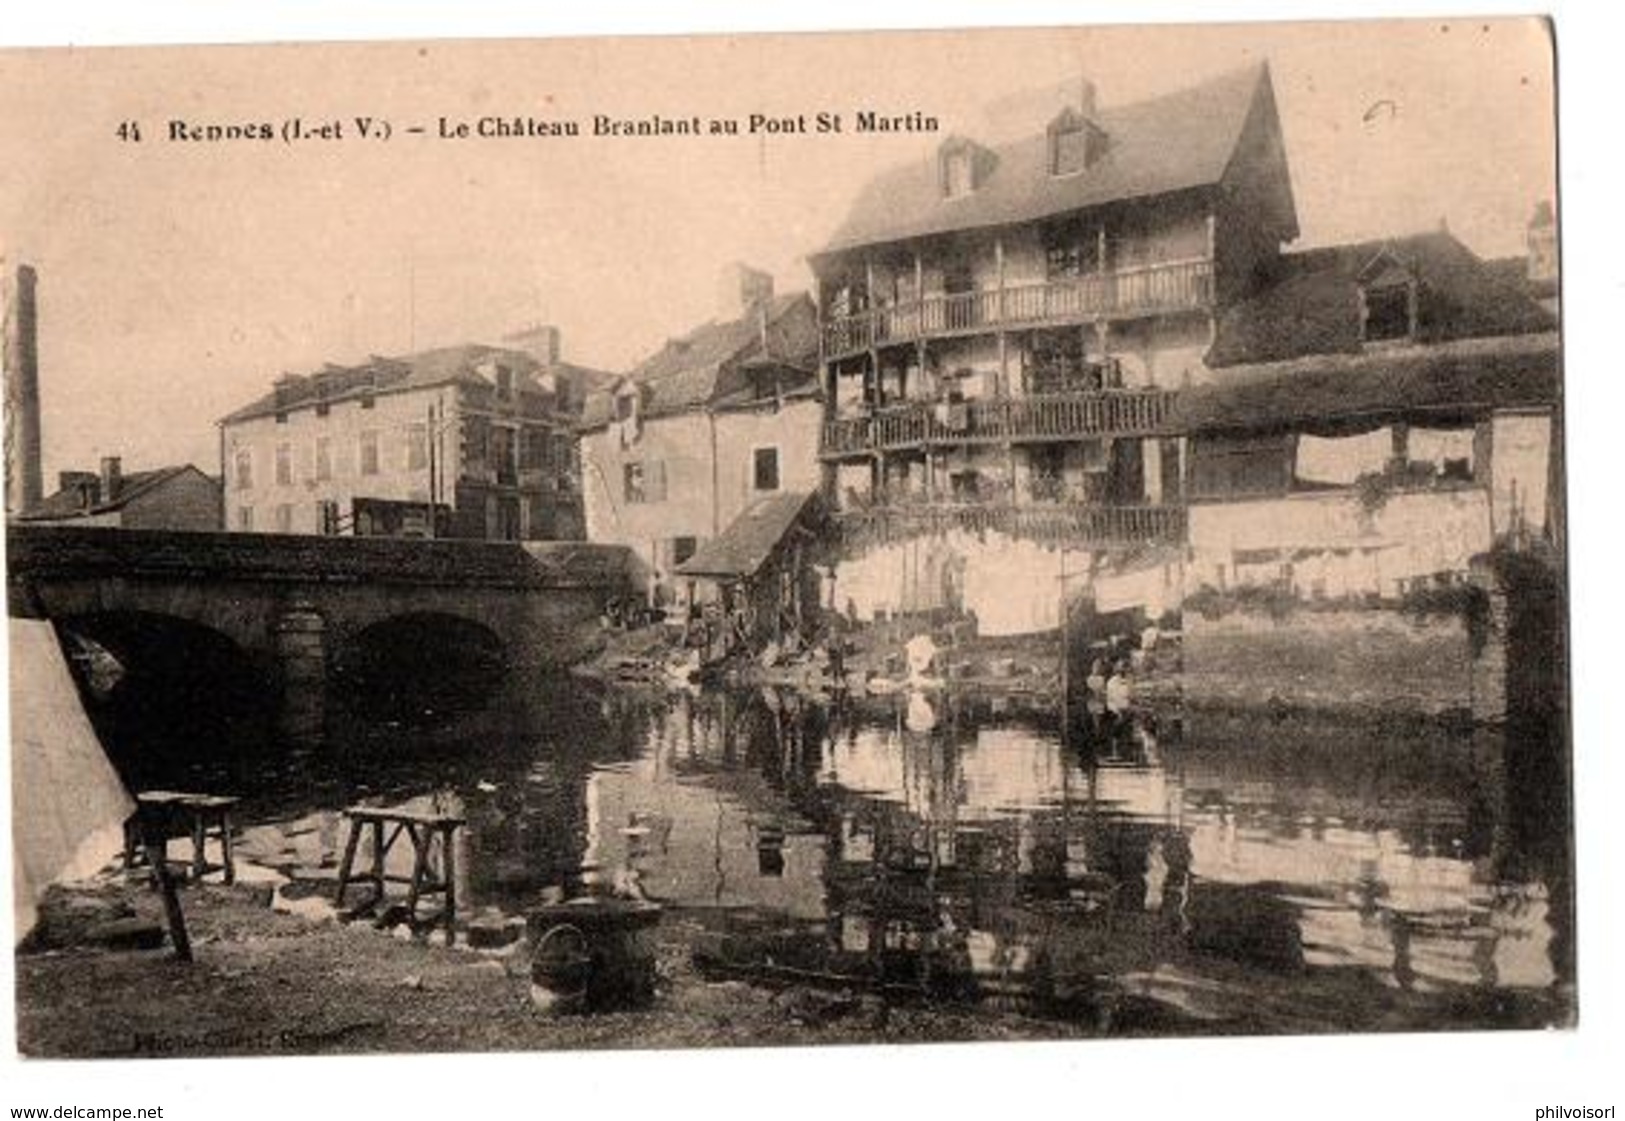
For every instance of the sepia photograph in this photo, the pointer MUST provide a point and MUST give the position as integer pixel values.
(753, 540)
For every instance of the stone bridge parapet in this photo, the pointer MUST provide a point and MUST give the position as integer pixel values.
(293, 603)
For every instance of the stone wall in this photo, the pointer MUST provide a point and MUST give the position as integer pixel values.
(1376, 659)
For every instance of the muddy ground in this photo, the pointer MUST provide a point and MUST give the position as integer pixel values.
(264, 982)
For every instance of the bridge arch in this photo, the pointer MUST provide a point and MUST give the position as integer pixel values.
(162, 687)
(420, 661)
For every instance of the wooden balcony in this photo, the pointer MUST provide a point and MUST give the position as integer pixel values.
(1112, 412)
(1092, 527)
(1148, 290)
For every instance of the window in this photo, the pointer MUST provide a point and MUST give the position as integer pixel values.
(502, 455)
(417, 446)
(965, 486)
(1388, 313)
(626, 404)
(1070, 250)
(284, 465)
(476, 440)
(368, 399)
(245, 519)
(644, 482)
(245, 469)
(369, 453)
(284, 518)
(327, 516)
(504, 384)
(324, 458)
(682, 548)
(532, 449)
(766, 468)
(1071, 153)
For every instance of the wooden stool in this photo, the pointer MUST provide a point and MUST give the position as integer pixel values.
(423, 830)
(171, 813)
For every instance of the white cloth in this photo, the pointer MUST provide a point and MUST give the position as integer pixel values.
(68, 803)
(1338, 461)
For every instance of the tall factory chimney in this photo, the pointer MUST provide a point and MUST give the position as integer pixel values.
(19, 360)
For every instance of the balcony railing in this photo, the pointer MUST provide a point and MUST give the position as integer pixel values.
(1058, 524)
(1114, 412)
(1147, 290)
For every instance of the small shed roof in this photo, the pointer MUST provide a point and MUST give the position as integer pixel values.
(750, 541)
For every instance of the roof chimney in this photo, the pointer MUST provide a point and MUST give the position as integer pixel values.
(112, 477)
(1542, 244)
(1086, 98)
(741, 290)
(84, 484)
(542, 342)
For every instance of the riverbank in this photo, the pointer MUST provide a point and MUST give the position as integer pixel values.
(265, 982)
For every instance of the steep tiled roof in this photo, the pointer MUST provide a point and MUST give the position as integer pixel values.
(70, 503)
(424, 370)
(1312, 303)
(750, 540)
(707, 365)
(1176, 142)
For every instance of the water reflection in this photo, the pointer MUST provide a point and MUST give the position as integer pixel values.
(1251, 874)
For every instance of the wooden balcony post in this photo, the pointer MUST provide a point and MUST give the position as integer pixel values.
(998, 258)
(1151, 469)
(1212, 236)
(919, 305)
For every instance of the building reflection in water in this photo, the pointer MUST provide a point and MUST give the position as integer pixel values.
(1261, 875)
(950, 846)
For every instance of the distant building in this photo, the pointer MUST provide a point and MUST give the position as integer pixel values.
(483, 436)
(711, 422)
(173, 498)
(1537, 269)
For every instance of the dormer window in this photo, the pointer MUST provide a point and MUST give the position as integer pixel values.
(504, 380)
(323, 384)
(1388, 300)
(1075, 142)
(961, 166)
(626, 404)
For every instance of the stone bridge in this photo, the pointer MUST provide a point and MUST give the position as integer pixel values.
(294, 606)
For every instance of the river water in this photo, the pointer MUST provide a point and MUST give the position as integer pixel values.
(1165, 873)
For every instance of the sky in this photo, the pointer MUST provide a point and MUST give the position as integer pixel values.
(178, 279)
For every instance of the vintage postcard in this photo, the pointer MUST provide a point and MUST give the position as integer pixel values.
(840, 538)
